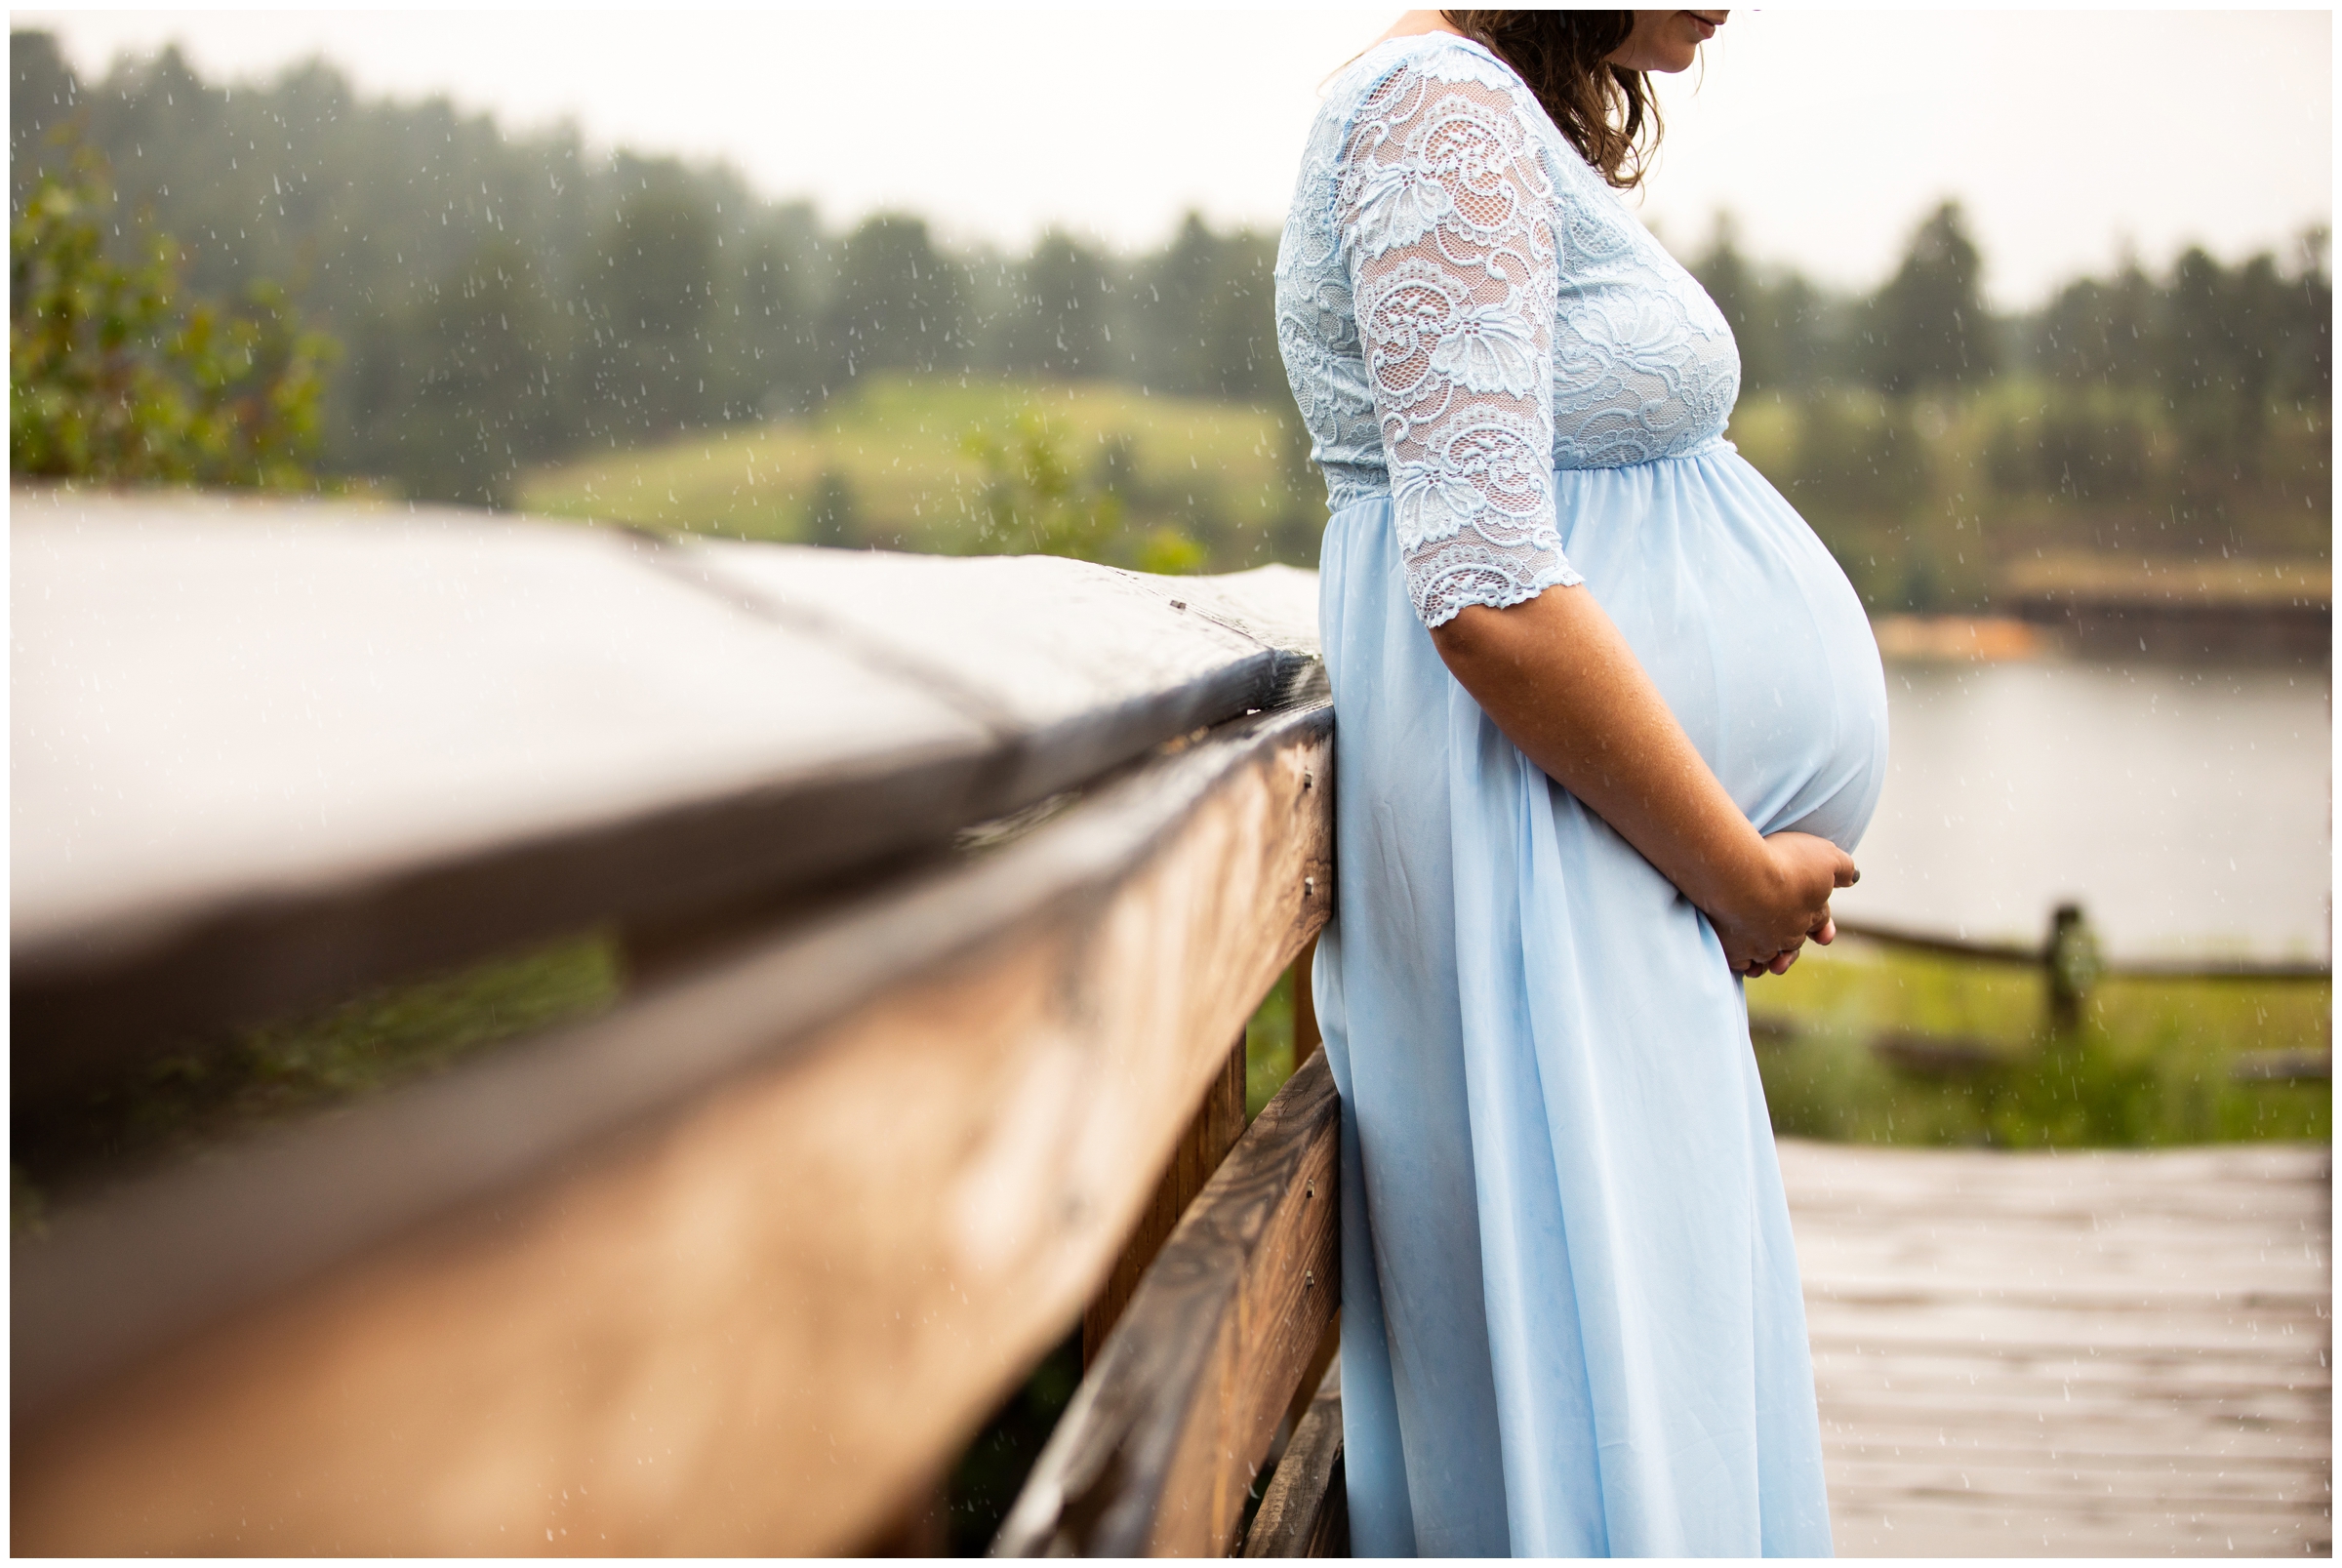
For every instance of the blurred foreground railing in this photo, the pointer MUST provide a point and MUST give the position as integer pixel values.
(889, 1105)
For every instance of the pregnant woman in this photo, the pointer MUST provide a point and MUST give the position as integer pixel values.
(1608, 720)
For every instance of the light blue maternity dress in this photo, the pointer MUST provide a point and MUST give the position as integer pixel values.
(1571, 1320)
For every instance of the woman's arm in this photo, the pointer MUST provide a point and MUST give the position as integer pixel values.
(1559, 680)
(1445, 213)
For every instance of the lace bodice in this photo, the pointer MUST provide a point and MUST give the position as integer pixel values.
(1464, 307)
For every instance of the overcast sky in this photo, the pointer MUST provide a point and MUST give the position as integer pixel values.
(2070, 135)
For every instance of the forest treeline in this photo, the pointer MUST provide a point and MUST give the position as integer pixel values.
(505, 300)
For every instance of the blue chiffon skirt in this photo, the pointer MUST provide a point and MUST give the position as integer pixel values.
(1571, 1318)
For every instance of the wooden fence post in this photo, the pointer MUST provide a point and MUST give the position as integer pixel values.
(1158, 1453)
(1218, 1123)
(2070, 956)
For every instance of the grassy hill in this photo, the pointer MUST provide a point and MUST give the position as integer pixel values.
(1938, 505)
(900, 465)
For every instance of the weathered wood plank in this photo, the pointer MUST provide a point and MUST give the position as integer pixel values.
(1157, 1452)
(1307, 1036)
(735, 1269)
(2079, 1353)
(2191, 1487)
(265, 752)
(1306, 1511)
(1934, 1527)
(2008, 952)
(1064, 655)
(2205, 1442)
(1214, 1130)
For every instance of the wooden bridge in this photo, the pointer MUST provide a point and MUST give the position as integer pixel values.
(2075, 1354)
(945, 889)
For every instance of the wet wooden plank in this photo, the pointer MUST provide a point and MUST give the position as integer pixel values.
(1211, 1133)
(1158, 1453)
(265, 752)
(1971, 1527)
(2106, 1353)
(1306, 1511)
(735, 1269)
(1068, 656)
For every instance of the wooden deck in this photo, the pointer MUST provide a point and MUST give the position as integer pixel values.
(2079, 1355)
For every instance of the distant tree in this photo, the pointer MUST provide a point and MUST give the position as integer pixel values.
(1927, 328)
(1207, 303)
(765, 317)
(2095, 333)
(1060, 322)
(652, 296)
(43, 95)
(1777, 318)
(2213, 373)
(474, 395)
(113, 376)
(2305, 358)
(832, 519)
(1732, 284)
(2080, 445)
(898, 305)
(1858, 459)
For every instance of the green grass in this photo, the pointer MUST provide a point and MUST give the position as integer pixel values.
(1268, 1046)
(2148, 1066)
(1221, 472)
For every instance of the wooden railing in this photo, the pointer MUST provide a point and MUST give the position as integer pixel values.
(2045, 953)
(947, 888)
(2071, 967)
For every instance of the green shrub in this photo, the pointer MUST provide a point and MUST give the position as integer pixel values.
(115, 378)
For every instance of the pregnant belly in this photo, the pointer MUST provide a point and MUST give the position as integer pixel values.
(1751, 632)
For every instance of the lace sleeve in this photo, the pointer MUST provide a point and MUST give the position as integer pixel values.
(1445, 211)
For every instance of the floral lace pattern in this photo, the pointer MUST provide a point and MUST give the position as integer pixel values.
(1464, 307)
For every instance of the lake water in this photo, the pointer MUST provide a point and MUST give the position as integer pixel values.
(2189, 810)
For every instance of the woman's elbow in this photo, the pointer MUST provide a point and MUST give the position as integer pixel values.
(1536, 637)
(1469, 634)
(1480, 637)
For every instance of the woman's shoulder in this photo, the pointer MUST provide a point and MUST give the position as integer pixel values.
(1370, 98)
(1397, 77)
(1439, 56)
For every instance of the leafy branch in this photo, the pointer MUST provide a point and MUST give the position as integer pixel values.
(113, 376)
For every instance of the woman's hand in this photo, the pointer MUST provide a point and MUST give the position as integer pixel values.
(1764, 921)
(1559, 680)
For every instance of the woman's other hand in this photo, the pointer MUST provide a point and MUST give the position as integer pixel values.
(1765, 917)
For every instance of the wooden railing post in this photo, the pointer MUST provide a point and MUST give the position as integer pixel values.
(1306, 1511)
(1159, 1451)
(1306, 1038)
(1218, 1123)
(2070, 954)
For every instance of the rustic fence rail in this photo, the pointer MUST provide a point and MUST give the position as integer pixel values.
(737, 1266)
(2044, 952)
(1157, 1455)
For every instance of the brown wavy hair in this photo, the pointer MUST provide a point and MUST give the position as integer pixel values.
(1608, 112)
